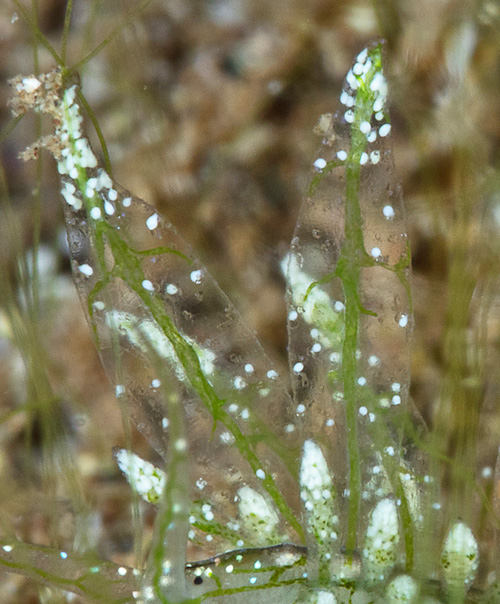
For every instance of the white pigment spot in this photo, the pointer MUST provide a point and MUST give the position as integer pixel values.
(109, 208)
(365, 127)
(152, 222)
(86, 270)
(180, 444)
(384, 130)
(388, 212)
(363, 159)
(301, 408)
(403, 321)
(156, 383)
(95, 212)
(320, 163)
(342, 155)
(298, 367)
(147, 285)
(376, 252)
(112, 195)
(260, 474)
(349, 116)
(196, 276)
(127, 201)
(248, 368)
(122, 571)
(171, 289)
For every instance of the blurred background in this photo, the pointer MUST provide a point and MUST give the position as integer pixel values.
(208, 109)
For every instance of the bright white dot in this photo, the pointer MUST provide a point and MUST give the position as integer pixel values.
(165, 423)
(119, 390)
(486, 472)
(339, 306)
(396, 387)
(388, 212)
(357, 69)
(229, 568)
(86, 269)
(363, 159)
(298, 367)
(316, 347)
(363, 411)
(180, 444)
(375, 157)
(362, 381)
(171, 289)
(379, 116)
(156, 383)
(272, 374)
(320, 163)
(289, 428)
(245, 414)
(7, 548)
(372, 137)
(196, 276)
(301, 408)
(373, 360)
(330, 422)
(109, 208)
(293, 315)
(126, 202)
(147, 285)
(152, 222)
(342, 155)
(365, 127)
(95, 213)
(384, 130)
(122, 571)
(249, 368)
(349, 116)
(403, 321)
(63, 555)
(239, 383)
(376, 252)
(396, 399)
(112, 195)
(390, 451)
(260, 474)
(346, 99)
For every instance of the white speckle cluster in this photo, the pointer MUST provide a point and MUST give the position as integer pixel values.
(401, 590)
(460, 556)
(145, 478)
(314, 306)
(381, 541)
(258, 517)
(76, 154)
(318, 497)
(321, 596)
(145, 333)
